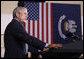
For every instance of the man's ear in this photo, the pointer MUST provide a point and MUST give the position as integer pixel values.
(17, 14)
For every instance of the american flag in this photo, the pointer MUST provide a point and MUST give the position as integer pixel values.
(40, 21)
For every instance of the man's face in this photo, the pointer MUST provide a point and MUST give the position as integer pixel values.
(23, 15)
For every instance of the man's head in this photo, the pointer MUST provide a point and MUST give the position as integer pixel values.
(20, 13)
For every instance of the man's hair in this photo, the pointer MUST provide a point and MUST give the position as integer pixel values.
(17, 9)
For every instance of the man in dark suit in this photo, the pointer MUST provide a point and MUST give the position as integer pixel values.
(16, 39)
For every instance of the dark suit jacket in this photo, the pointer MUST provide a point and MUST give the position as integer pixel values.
(15, 38)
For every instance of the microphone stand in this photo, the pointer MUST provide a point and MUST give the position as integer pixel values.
(75, 37)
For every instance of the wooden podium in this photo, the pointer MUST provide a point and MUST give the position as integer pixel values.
(71, 50)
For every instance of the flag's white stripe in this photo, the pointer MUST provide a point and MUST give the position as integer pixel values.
(26, 24)
(40, 20)
(44, 22)
(31, 27)
(49, 23)
(35, 28)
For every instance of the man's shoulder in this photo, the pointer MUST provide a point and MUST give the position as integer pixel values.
(12, 23)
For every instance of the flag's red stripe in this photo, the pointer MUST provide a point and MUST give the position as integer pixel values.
(29, 26)
(38, 29)
(51, 23)
(43, 22)
(46, 22)
(33, 28)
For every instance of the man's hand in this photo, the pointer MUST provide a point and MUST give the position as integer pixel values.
(52, 45)
(39, 56)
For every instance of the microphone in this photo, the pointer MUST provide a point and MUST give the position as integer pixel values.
(75, 37)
